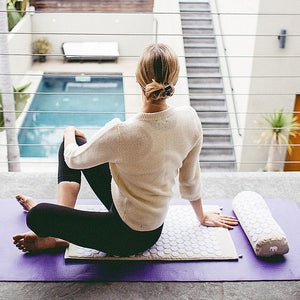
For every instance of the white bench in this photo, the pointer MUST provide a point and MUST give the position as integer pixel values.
(90, 51)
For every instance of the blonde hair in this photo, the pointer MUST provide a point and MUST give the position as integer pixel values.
(157, 72)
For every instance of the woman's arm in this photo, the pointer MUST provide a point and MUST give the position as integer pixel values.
(102, 147)
(212, 218)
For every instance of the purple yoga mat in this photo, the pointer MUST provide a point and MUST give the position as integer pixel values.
(16, 266)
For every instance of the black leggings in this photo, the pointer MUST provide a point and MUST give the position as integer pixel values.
(104, 231)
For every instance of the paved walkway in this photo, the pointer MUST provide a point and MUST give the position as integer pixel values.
(215, 185)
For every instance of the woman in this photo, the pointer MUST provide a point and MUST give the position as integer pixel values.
(132, 167)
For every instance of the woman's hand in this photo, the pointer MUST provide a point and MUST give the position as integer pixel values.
(215, 219)
(71, 130)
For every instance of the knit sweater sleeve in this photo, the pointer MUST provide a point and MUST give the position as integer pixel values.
(189, 174)
(101, 148)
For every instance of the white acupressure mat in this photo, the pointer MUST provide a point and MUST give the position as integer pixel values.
(182, 238)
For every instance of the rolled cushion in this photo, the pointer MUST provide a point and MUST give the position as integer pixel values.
(264, 234)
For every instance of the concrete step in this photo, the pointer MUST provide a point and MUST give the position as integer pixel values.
(214, 60)
(204, 75)
(205, 84)
(205, 88)
(216, 131)
(206, 91)
(197, 64)
(210, 124)
(217, 148)
(190, 16)
(190, 46)
(217, 154)
(201, 40)
(194, 26)
(209, 106)
(202, 80)
(218, 98)
(221, 126)
(195, 31)
(217, 167)
(196, 68)
(186, 21)
(195, 14)
(213, 116)
(194, 6)
(223, 163)
(217, 142)
(198, 51)
(202, 56)
(222, 133)
(214, 145)
(220, 140)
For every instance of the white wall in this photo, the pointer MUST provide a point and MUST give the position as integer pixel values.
(283, 89)
(19, 42)
(114, 27)
(238, 32)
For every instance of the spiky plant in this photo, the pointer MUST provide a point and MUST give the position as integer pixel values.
(278, 128)
(20, 101)
(13, 15)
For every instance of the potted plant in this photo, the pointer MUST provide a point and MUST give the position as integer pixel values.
(41, 46)
(277, 129)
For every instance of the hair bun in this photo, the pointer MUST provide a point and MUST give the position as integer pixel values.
(156, 91)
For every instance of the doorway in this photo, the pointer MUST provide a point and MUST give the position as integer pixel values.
(293, 159)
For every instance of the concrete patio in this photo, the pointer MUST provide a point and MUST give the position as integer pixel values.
(215, 186)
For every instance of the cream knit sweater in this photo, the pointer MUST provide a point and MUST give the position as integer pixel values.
(146, 153)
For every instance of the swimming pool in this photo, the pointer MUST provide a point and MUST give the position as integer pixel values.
(62, 101)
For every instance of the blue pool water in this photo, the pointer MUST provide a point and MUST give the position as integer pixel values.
(76, 101)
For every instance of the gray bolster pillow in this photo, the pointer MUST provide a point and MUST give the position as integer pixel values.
(264, 233)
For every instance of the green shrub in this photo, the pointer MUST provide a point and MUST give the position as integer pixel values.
(20, 102)
(12, 15)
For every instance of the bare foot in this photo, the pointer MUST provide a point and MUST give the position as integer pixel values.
(30, 242)
(27, 202)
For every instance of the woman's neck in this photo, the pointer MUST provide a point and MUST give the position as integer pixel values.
(149, 107)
